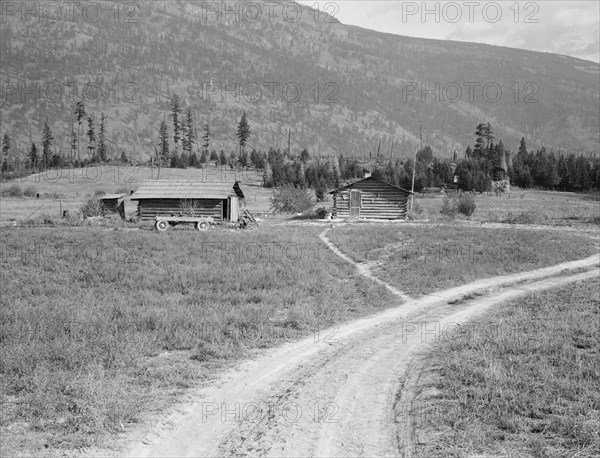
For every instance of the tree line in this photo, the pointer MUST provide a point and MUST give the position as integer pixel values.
(527, 169)
(180, 145)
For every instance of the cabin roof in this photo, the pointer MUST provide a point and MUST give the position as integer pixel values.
(180, 189)
(351, 185)
(111, 196)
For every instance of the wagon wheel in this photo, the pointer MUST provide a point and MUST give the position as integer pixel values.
(202, 225)
(162, 225)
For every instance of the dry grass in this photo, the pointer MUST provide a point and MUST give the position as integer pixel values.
(101, 328)
(422, 259)
(524, 207)
(529, 388)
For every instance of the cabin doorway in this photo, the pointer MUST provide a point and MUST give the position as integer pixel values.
(355, 201)
(224, 210)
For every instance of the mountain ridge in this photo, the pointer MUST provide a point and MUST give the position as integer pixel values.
(357, 84)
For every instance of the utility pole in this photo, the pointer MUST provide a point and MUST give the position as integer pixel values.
(378, 148)
(289, 141)
(412, 196)
(391, 149)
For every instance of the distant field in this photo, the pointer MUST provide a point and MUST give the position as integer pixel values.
(68, 189)
(101, 328)
(523, 207)
(523, 383)
(422, 259)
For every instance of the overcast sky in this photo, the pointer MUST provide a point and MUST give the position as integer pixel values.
(563, 27)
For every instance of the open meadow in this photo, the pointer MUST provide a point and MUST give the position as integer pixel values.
(105, 327)
(522, 380)
(101, 328)
(520, 207)
(420, 259)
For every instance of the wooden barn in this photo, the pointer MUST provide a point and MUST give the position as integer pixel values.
(370, 198)
(220, 201)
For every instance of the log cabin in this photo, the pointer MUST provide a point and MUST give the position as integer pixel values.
(220, 201)
(370, 198)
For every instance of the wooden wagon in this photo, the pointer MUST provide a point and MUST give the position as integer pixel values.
(162, 223)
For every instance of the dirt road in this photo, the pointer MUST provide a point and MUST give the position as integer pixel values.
(334, 394)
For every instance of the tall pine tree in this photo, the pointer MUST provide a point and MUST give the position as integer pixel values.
(189, 132)
(163, 142)
(79, 116)
(5, 152)
(47, 140)
(175, 114)
(33, 156)
(102, 139)
(243, 131)
(91, 134)
(206, 138)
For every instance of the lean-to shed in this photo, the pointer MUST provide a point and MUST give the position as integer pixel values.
(370, 198)
(221, 201)
(113, 203)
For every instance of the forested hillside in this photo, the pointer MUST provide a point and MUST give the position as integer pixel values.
(347, 90)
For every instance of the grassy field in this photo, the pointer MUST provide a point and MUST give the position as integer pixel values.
(523, 207)
(526, 387)
(422, 259)
(68, 189)
(103, 327)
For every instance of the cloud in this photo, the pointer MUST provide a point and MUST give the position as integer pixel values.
(563, 27)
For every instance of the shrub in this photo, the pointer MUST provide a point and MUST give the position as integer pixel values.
(449, 207)
(14, 190)
(415, 211)
(99, 192)
(466, 205)
(30, 191)
(289, 199)
(74, 217)
(321, 212)
(520, 218)
(93, 207)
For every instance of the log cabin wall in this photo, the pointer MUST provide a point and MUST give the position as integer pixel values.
(378, 200)
(149, 208)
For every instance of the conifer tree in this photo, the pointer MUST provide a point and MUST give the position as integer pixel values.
(5, 152)
(102, 139)
(33, 156)
(163, 142)
(91, 134)
(79, 115)
(243, 131)
(47, 140)
(175, 113)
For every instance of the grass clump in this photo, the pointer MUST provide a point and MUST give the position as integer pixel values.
(30, 191)
(452, 206)
(14, 190)
(449, 208)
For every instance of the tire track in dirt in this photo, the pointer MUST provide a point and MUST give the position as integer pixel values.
(325, 374)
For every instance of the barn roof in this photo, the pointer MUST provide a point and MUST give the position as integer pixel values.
(351, 185)
(179, 189)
